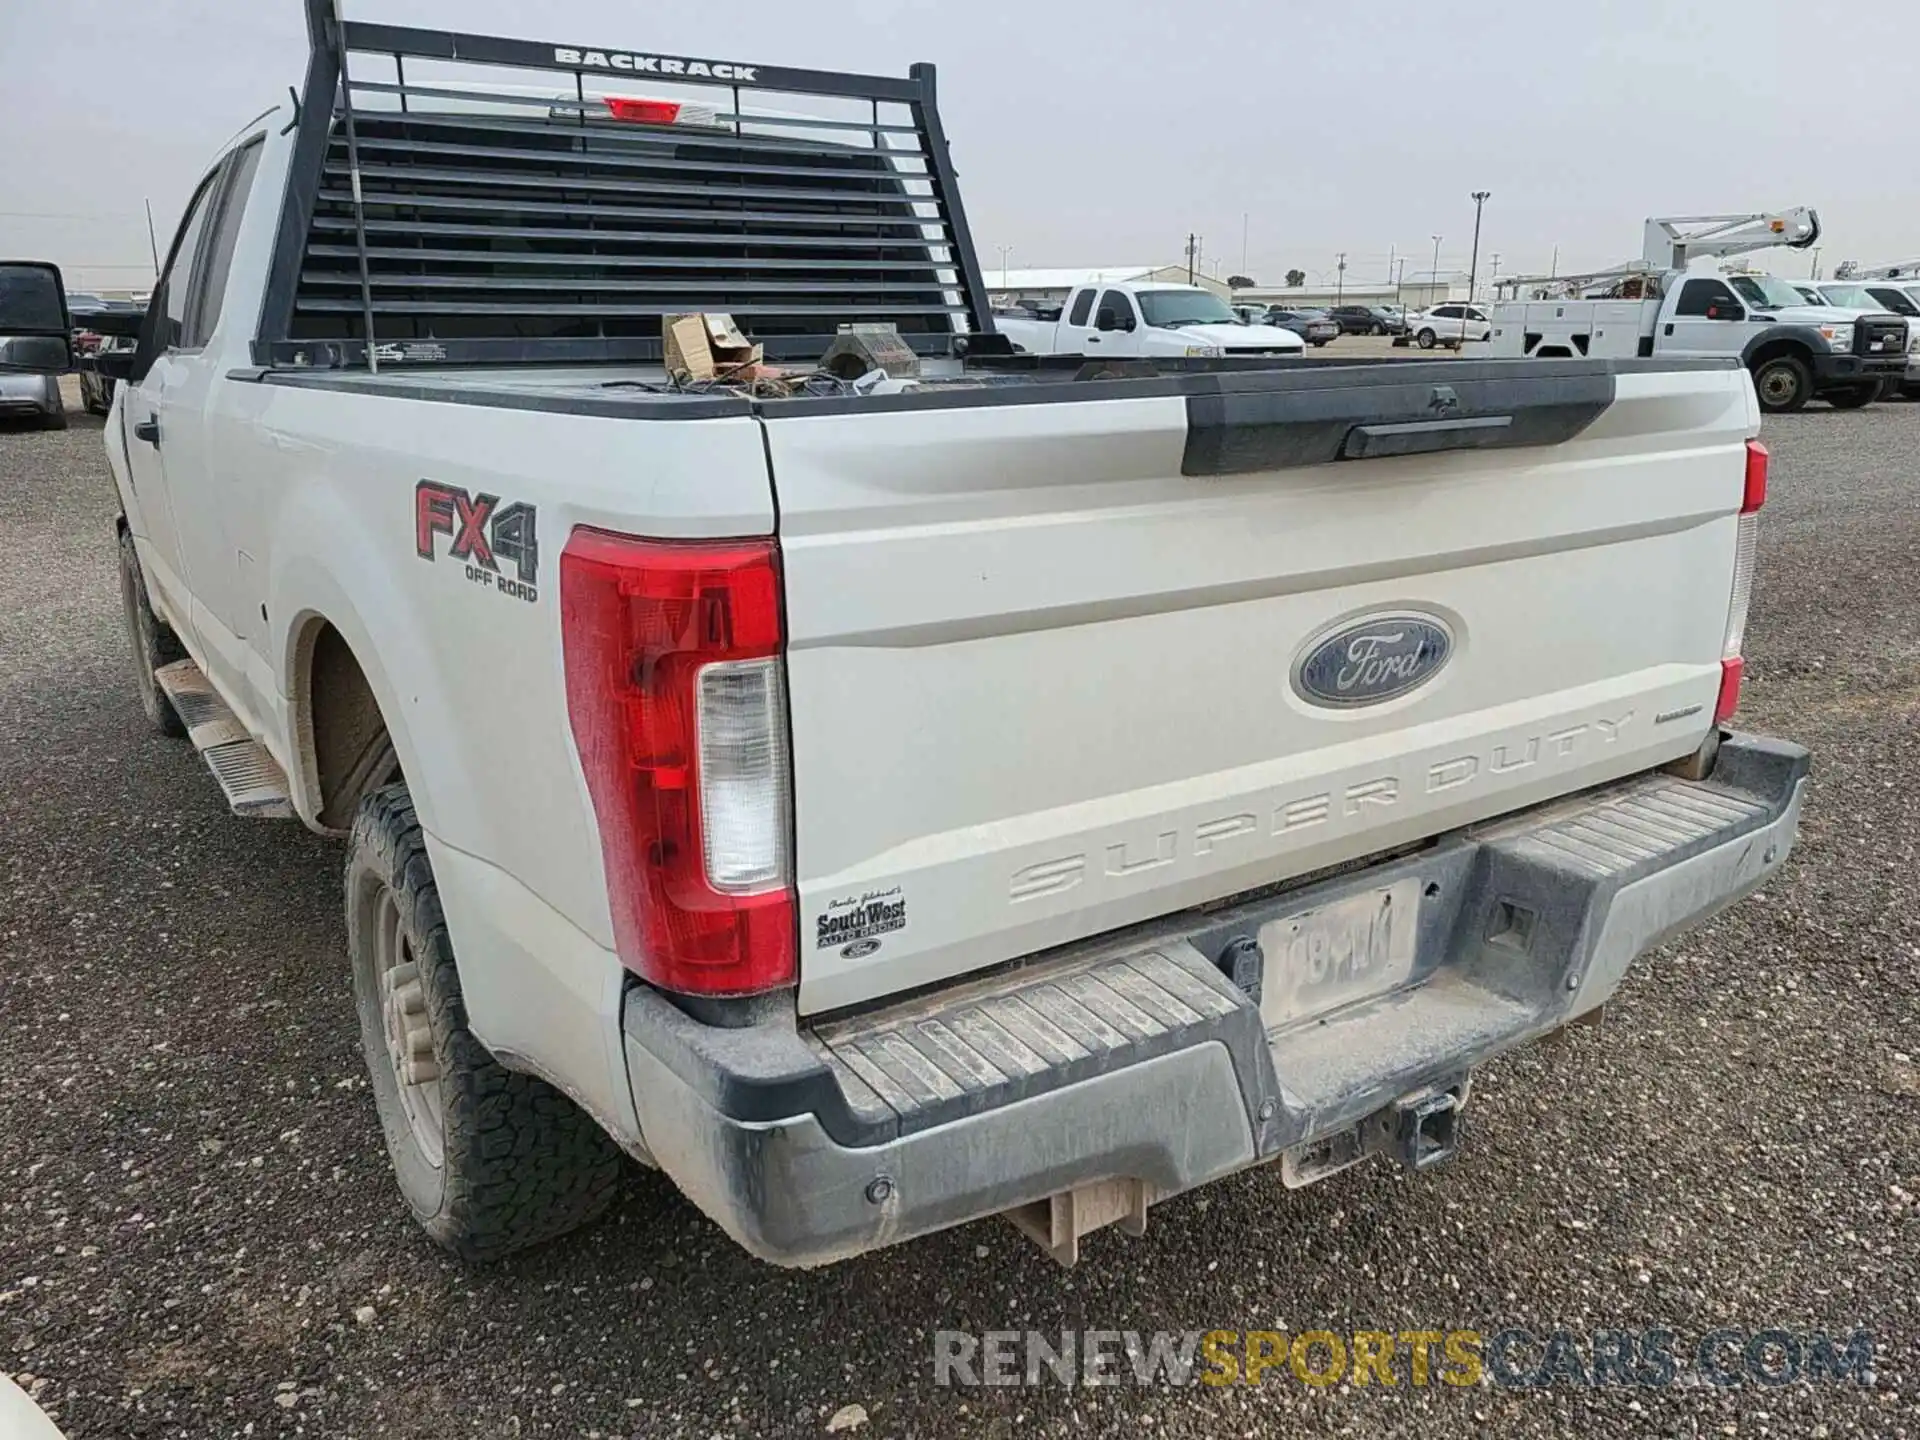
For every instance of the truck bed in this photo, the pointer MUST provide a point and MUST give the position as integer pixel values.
(645, 391)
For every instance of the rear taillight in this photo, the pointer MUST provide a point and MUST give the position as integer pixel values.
(677, 694)
(1732, 667)
(1756, 489)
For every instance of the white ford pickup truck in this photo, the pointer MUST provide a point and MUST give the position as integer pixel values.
(1117, 321)
(1035, 790)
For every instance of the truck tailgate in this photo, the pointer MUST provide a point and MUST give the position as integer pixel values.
(1044, 684)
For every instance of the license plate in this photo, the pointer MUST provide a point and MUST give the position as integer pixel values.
(1330, 956)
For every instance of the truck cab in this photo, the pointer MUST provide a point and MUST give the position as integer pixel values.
(1127, 321)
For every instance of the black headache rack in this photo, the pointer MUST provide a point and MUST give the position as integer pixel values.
(432, 217)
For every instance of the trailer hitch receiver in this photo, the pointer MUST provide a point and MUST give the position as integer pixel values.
(1420, 1130)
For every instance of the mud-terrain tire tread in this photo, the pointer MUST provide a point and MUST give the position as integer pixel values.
(522, 1162)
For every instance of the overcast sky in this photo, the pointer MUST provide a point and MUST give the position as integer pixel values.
(1099, 132)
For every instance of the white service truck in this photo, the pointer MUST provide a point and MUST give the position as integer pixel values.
(1123, 321)
(1873, 297)
(1030, 791)
(1656, 306)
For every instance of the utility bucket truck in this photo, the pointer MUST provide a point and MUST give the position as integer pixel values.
(1656, 306)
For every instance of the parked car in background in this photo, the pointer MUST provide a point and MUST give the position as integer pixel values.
(100, 327)
(96, 389)
(1883, 297)
(32, 397)
(1448, 325)
(1365, 320)
(1315, 327)
(1910, 290)
(36, 342)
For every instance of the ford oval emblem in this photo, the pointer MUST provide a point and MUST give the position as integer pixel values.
(1373, 660)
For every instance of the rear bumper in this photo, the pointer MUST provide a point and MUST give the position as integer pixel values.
(1136, 1057)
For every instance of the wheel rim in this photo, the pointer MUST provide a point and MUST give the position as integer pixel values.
(1777, 384)
(409, 1033)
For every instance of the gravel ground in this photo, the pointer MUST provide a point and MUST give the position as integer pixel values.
(198, 1235)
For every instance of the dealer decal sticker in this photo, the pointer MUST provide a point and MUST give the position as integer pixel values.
(858, 921)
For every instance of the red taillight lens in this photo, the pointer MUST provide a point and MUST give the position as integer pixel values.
(643, 112)
(675, 689)
(1732, 667)
(1731, 673)
(1756, 493)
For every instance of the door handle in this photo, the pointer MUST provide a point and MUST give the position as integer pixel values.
(1093, 339)
(148, 430)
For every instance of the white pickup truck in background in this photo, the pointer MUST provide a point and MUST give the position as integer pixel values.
(1032, 791)
(1871, 297)
(1126, 320)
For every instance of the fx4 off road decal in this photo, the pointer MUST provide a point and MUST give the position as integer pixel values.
(483, 533)
(858, 921)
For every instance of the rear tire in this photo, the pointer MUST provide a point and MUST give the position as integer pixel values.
(1856, 398)
(1784, 384)
(1425, 339)
(54, 419)
(489, 1160)
(152, 639)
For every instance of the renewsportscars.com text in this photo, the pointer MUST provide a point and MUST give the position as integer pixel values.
(1512, 1358)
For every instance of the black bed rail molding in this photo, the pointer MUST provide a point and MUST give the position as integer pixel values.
(431, 215)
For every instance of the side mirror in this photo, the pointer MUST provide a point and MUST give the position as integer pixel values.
(36, 332)
(1106, 319)
(1725, 312)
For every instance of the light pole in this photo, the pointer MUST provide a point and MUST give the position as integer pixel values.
(1340, 278)
(1005, 251)
(1473, 265)
(1399, 271)
(1433, 275)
